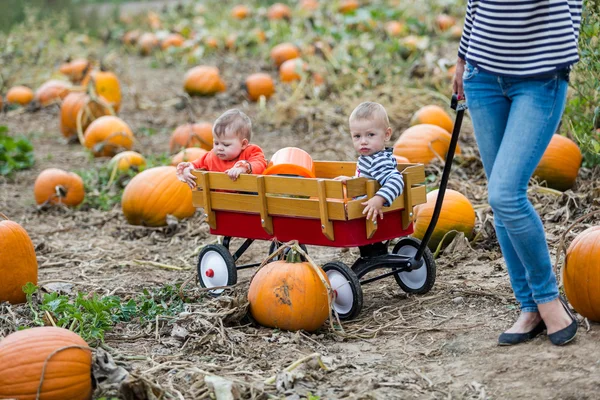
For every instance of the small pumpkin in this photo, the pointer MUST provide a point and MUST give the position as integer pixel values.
(56, 186)
(18, 264)
(290, 70)
(211, 42)
(147, 42)
(283, 52)
(154, 20)
(192, 135)
(445, 22)
(395, 28)
(457, 214)
(154, 193)
(76, 70)
(131, 37)
(172, 40)
(230, 41)
(189, 154)
(108, 135)
(560, 163)
(456, 31)
(76, 108)
(433, 114)
(51, 92)
(291, 161)
(279, 11)
(240, 11)
(424, 142)
(21, 95)
(259, 84)
(62, 356)
(309, 5)
(126, 160)
(401, 160)
(348, 6)
(290, 295)
(106, 85)
(203, 80)
(581, 273)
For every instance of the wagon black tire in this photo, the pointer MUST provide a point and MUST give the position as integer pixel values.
(275, 245)
(348, 295)
(421, 280)
(216, 268)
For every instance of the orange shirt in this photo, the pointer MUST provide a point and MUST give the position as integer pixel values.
(253, 154)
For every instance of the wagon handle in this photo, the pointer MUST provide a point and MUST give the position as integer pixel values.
(460, 111)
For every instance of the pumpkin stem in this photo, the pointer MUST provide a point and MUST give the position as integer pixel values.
(293, 256)
(4, 216)
(60, 191)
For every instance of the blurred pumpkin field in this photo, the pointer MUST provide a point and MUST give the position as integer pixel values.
(99, 240)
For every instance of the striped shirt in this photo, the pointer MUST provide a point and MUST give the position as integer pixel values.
(382, 167)
(521, 37)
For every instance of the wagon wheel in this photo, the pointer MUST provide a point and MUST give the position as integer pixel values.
(275, 245)
(347, 292)
(418, 281)
(216, 268)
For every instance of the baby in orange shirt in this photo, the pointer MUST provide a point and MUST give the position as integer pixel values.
(232, 152)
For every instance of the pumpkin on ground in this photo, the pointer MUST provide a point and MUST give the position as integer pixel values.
(51, 92)
(18, 264)
(108, 135)
(127, 160)
(434, 115)
(106, 85)
(445, 22)
(189, 154)
(56, 186)
(192, 135)
(147, 42)
(457, 214)
(289, 294)
(65, 356)
(395, 28)
(21, 95)
(309, 5)
(203, 80)
(78, 106)
(581, 273)
(259, 84)
(422, 143)
(131, 37)
(401, 160)
(290, 70)
(279, 11)
(241, 11)
(173, 40)
(283, 52)
(560, 163)
(154, 193)
(76, 70)
(347, 6)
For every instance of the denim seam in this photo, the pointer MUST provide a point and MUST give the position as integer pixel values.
(529, 309)
(546, 299)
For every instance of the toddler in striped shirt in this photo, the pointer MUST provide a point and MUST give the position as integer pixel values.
(370, 129)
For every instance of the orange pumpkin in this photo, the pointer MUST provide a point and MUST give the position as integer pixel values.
(309, 5)
(211, 42)
(260, 35)
(78, 105)
(289, 295)
(259, 84)
(241, 11)
(64, 355)
(445, 22)
(126, 160)
(283, 52)
(421, 143)
(457, 214)
(279, 11)
(401, 160)
(154, 193)
(21, 95)
(291, 161)
(56, 186)
(347, 6)
(434, 115)
(76, 70)
(154, 20)
(560, 163)
(147, 42)
(131, 37)
(192, 135)
(290, 70)
(173, 40)
(456, 31)
(190, 154)
(230, 41)
(52, 91)
(106, 85)
(581, 273)
(18, 264)
(108, 135)
(203, 80)
(395, 28)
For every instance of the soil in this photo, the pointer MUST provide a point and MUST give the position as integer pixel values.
(440, 345)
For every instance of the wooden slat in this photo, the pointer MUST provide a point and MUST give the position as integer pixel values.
(308, 208)
(302, 187)
(407, 212)
(265, 219)
(332, 169)
(371, 225)
(326, 225)
(220, 180)
(415, 172)
(419, 196)
(207, 204)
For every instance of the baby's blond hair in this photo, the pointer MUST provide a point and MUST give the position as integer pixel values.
(234, 121)
(370, 110)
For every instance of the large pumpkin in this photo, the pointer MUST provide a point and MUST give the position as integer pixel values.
(434, 115)
(289, 295)
(259, 84)
(106, 85)
(457, 214)
(52, 91)
(192, 135)
(21, 95)
(127, 160)
(283, 52)
(76, 70)
(79, 105)
(203, 80)
(64, 355)
(189, 154)
(421, 143)
(18, 264)
(154, 193)
(581, 273)
(560, 163)
(55, 186)
(108, 135)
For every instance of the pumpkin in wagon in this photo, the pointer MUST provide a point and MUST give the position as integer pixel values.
(56, 186)
(259, 84)
(560, 163)
(108, 135)
(192, 135)
(203, 80)
(291, 161)
(424, 142)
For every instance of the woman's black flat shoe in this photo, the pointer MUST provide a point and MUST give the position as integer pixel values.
(565, 335)
(509, 339)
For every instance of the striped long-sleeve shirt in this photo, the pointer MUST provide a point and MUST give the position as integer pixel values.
(382, 167)
(521, 37)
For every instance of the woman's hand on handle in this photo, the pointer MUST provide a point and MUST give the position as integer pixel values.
(457, 82)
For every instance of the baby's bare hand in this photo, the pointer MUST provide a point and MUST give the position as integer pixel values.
(342, 178)
(373, 208)
(234, 173)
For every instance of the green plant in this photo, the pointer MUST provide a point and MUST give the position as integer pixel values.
(15, 154)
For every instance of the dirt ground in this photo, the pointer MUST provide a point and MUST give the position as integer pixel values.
(441, 345)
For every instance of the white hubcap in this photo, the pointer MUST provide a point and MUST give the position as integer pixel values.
(344, 297)
(213, 271)
(414, 279)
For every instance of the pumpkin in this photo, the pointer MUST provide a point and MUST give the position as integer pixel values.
(21, 95)
(260, 35)
(127, 160)
(395, 28)
(192, 135)
(241, 11)
(401, 160)
(147, 42)
(154, 20)
(190, 154)
(230, 41)
(421, 143)
(76, 70)
(106, 85)
(457, 214)
(211, 42)
(283, 52)
(52, 91)
(108, 135)
(348, 6)
(289, 294)
(309, 5)
(560, 163)
(434, 115)
(78, 105)
(581, 274)
(172, 40)
(290, 70)
(56, 186)
(154, 193)
(131, 37)
(259, 84)
(291, 161)
(279, 11)
(445, 22)
(456, 32)
(64, 355)
(203, 80)
(18, 264)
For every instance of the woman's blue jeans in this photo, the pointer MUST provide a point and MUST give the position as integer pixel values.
(514, 120)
